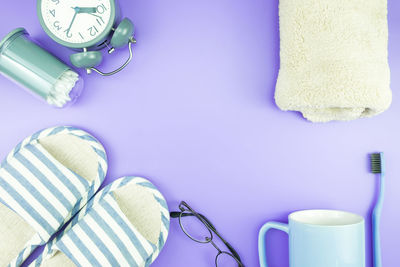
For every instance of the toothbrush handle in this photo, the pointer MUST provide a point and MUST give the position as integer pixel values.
(376, 219)
(376, 241)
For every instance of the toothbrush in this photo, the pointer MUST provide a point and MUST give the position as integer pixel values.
(377, 167)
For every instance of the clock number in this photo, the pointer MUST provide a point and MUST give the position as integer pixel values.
(101, 9)
(93, 30)
(56, 1)
(68, 33)
(100, 21)
(56, 25)
(53, 12)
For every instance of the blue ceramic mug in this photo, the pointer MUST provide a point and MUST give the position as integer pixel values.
(320, 238)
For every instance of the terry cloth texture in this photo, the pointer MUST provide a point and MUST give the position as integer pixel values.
(334, 59)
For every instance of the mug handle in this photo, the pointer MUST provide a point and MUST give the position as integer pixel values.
(261, 239)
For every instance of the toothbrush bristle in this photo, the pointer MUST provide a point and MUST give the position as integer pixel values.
(376, 163)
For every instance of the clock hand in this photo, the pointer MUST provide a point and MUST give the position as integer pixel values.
(86, 9)
(73, 19)
(89, 11)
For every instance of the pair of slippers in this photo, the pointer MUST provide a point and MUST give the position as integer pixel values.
(52, 177)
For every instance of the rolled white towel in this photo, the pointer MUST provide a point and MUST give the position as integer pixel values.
(334, 59)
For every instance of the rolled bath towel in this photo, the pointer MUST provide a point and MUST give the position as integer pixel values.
(334, 62)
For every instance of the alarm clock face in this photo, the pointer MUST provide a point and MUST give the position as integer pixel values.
(77, 23)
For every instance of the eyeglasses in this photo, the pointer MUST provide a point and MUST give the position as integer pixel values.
(198, 228)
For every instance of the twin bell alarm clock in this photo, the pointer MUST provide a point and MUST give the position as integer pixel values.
(87, 26)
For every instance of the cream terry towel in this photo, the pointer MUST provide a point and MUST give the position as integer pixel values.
(334, 62)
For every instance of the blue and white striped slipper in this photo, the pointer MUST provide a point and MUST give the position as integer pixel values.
(125, 224)
(44, 182)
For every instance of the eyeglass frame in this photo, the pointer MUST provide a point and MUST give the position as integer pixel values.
(186, 210)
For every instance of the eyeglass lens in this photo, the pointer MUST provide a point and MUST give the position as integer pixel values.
(225, 259)
(195, 229)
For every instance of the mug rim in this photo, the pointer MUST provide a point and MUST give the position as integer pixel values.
(351, 218)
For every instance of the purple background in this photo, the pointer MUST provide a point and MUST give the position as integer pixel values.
(195, 114)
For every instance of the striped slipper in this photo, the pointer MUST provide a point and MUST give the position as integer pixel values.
(44, 182)
(125, 224)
